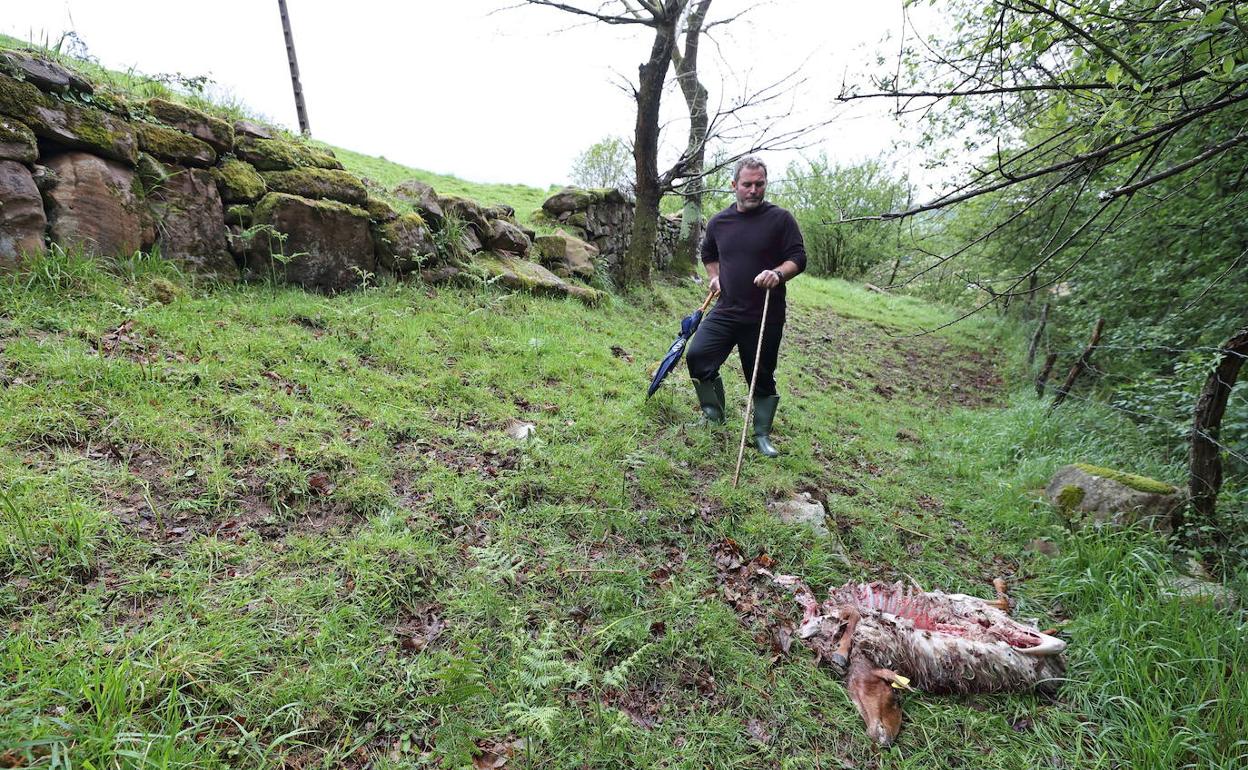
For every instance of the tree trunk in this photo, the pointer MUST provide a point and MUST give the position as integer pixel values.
(1035, 339)
(1042, 379)
(1079, 365)
(1205, 478)
(686, 255)
(640, 253)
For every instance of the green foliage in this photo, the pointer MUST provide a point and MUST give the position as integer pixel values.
(821, 193)
(606, 163)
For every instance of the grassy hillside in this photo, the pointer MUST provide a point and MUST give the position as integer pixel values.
(254, 527)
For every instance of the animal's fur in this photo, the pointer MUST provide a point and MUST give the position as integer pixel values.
(944, 643)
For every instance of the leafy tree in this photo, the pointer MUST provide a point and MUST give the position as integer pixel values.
(607, 163)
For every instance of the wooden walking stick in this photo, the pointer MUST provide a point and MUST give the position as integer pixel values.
(749, 403)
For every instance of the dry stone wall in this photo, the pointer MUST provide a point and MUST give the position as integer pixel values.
(84, 169)
(604, 218)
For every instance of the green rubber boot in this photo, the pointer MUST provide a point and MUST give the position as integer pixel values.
(711, 398)
(764, 414)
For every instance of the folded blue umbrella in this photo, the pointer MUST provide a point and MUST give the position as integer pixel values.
(688, 325)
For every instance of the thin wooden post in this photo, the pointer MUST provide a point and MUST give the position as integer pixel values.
(1035, 338)
(1080, 364)
(1205, 465)
(1042, 379)
(304, 127)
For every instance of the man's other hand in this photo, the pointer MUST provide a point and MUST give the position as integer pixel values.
(713, 286)
(768, 279)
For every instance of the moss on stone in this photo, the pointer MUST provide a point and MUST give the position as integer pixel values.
(318, 183)
(1138, 483)
(20, 100)
(188, 118)
(1069, 498)
(17, 142)
(238, 181)
(279, 155)
(379, 210)
(173, 145)
(265, 208)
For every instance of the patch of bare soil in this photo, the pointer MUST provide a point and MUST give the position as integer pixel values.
(918, 369)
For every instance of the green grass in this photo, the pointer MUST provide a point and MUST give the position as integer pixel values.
(257, 527)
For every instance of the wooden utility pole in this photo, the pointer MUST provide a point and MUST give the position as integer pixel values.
(300, 108)
(1080, 364)
(1205, 479)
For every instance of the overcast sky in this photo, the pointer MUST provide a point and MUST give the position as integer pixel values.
(481, 89)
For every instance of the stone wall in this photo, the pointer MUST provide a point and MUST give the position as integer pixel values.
(86, 168)
(605, 219)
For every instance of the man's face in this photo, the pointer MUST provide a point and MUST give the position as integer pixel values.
(750, 185)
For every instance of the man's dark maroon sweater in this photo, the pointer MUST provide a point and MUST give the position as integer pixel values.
(744, 245)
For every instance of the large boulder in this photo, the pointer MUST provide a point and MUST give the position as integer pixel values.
(69, 125)
(215, 132)
(22, 221)
(238, 181)
(17, 142)
(516, 273)
(173, 146)
(572, 199)
(1112, 497)
(405, 244)
(379, 210)
(508, 237)
(328, 246)
(192, 224)
(43, 72)
(318, 183)
(423, 198)
(565, 254)
(96, 205)
(279, 155)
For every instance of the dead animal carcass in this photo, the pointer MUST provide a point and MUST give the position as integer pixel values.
(886, 636)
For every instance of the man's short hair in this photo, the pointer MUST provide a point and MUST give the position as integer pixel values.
(749, 161)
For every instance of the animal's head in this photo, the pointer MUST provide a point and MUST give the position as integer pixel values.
(873, 693)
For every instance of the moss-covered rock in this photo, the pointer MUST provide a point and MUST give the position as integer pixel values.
(528, 276)
(215, 132)
(69, 125)
(379, 210)
(170, 144)
(405, 244)
(1138, 483)
(326, 245)
(43, 72)
(469, 212)
(318, 183)
(1069, 499)
(238, 181)
(279, 155)
(17, 142)
(570, 199)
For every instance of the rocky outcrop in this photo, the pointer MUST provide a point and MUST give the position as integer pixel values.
(22, 220)
(95, 206)
(1106, 496)
(328, 245)
(87, 169)
(192, 232)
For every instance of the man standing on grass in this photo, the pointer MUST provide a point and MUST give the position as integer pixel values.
(750, 247)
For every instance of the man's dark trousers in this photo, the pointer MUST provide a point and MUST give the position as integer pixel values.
(717, 336)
